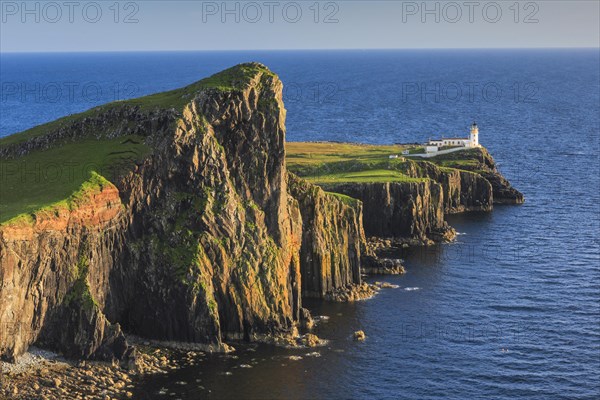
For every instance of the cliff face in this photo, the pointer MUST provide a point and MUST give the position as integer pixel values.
(412, 210)
(484, 165)
(213, 238)
(54, 272)
(332, 239)
(463, 190)
(200, 242)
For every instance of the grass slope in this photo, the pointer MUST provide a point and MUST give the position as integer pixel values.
(234, 78)
(347, 162)
(44, 178)
(326, 162)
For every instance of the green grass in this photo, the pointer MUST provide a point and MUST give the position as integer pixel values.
(369, 176)
(52, 177)
(350, 201)
(231, 79)
(327, 163)
(314, 153)
(417, 150)
(467, 159)
(460, 164)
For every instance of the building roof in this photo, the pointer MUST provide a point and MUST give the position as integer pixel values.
(439, 140)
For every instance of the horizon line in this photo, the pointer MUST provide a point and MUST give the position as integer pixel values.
(299, 49)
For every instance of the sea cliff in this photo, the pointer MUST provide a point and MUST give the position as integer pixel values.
(197, 241)
(191, 228)
(405, 199)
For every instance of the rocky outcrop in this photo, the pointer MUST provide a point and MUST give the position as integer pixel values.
(332, 239)
(463, 190)
(199, 242)
(54, 271)
(213, 237)
(207, 238)
(484, 165)
(413, 210)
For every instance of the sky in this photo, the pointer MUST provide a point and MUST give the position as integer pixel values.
(154, 25)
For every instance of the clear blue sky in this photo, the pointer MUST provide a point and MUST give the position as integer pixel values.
(201, 25)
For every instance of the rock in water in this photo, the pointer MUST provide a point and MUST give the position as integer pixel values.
(310, 340)
(360, 336)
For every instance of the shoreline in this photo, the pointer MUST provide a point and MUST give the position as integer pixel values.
(47, 375)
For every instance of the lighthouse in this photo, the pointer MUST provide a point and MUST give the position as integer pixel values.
(474, 136)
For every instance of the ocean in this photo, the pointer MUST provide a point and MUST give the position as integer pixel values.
(510, 310)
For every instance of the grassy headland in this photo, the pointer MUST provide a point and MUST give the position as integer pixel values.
(325, 162)
(45, 178)
(42, 178)
(234, 78)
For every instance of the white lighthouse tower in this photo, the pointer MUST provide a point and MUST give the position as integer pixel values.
(474, 136)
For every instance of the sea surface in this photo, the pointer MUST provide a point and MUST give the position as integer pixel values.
(511, 310)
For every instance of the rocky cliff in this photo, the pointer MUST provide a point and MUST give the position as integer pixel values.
(462, 190)
(332, 239)
(413, 209)
(480, 162)
(204, 236)
(410, 210)
(54, 272)
(200, 241)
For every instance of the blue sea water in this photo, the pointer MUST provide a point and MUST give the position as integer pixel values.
(511, 310)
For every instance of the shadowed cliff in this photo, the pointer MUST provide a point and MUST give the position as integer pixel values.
(193, 238)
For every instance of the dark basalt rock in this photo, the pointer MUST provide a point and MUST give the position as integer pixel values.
(413, 210)
(332, 239)
(208, 239)
(199, 243)
(485, 166)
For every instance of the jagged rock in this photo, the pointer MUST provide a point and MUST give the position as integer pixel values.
(332, 239)
(306, 320)
(352, 293)
(400, 209)
(485, 166)
(198, 242)
(382, 266)
(386, 285)
(311, 340)
(208, 238)
(462, 190)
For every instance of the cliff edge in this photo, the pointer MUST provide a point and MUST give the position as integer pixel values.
(183, 230)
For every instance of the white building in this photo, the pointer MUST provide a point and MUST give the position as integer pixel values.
(471, 141)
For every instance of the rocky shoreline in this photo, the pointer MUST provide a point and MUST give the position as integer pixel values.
(48, 376)
(44, 375)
